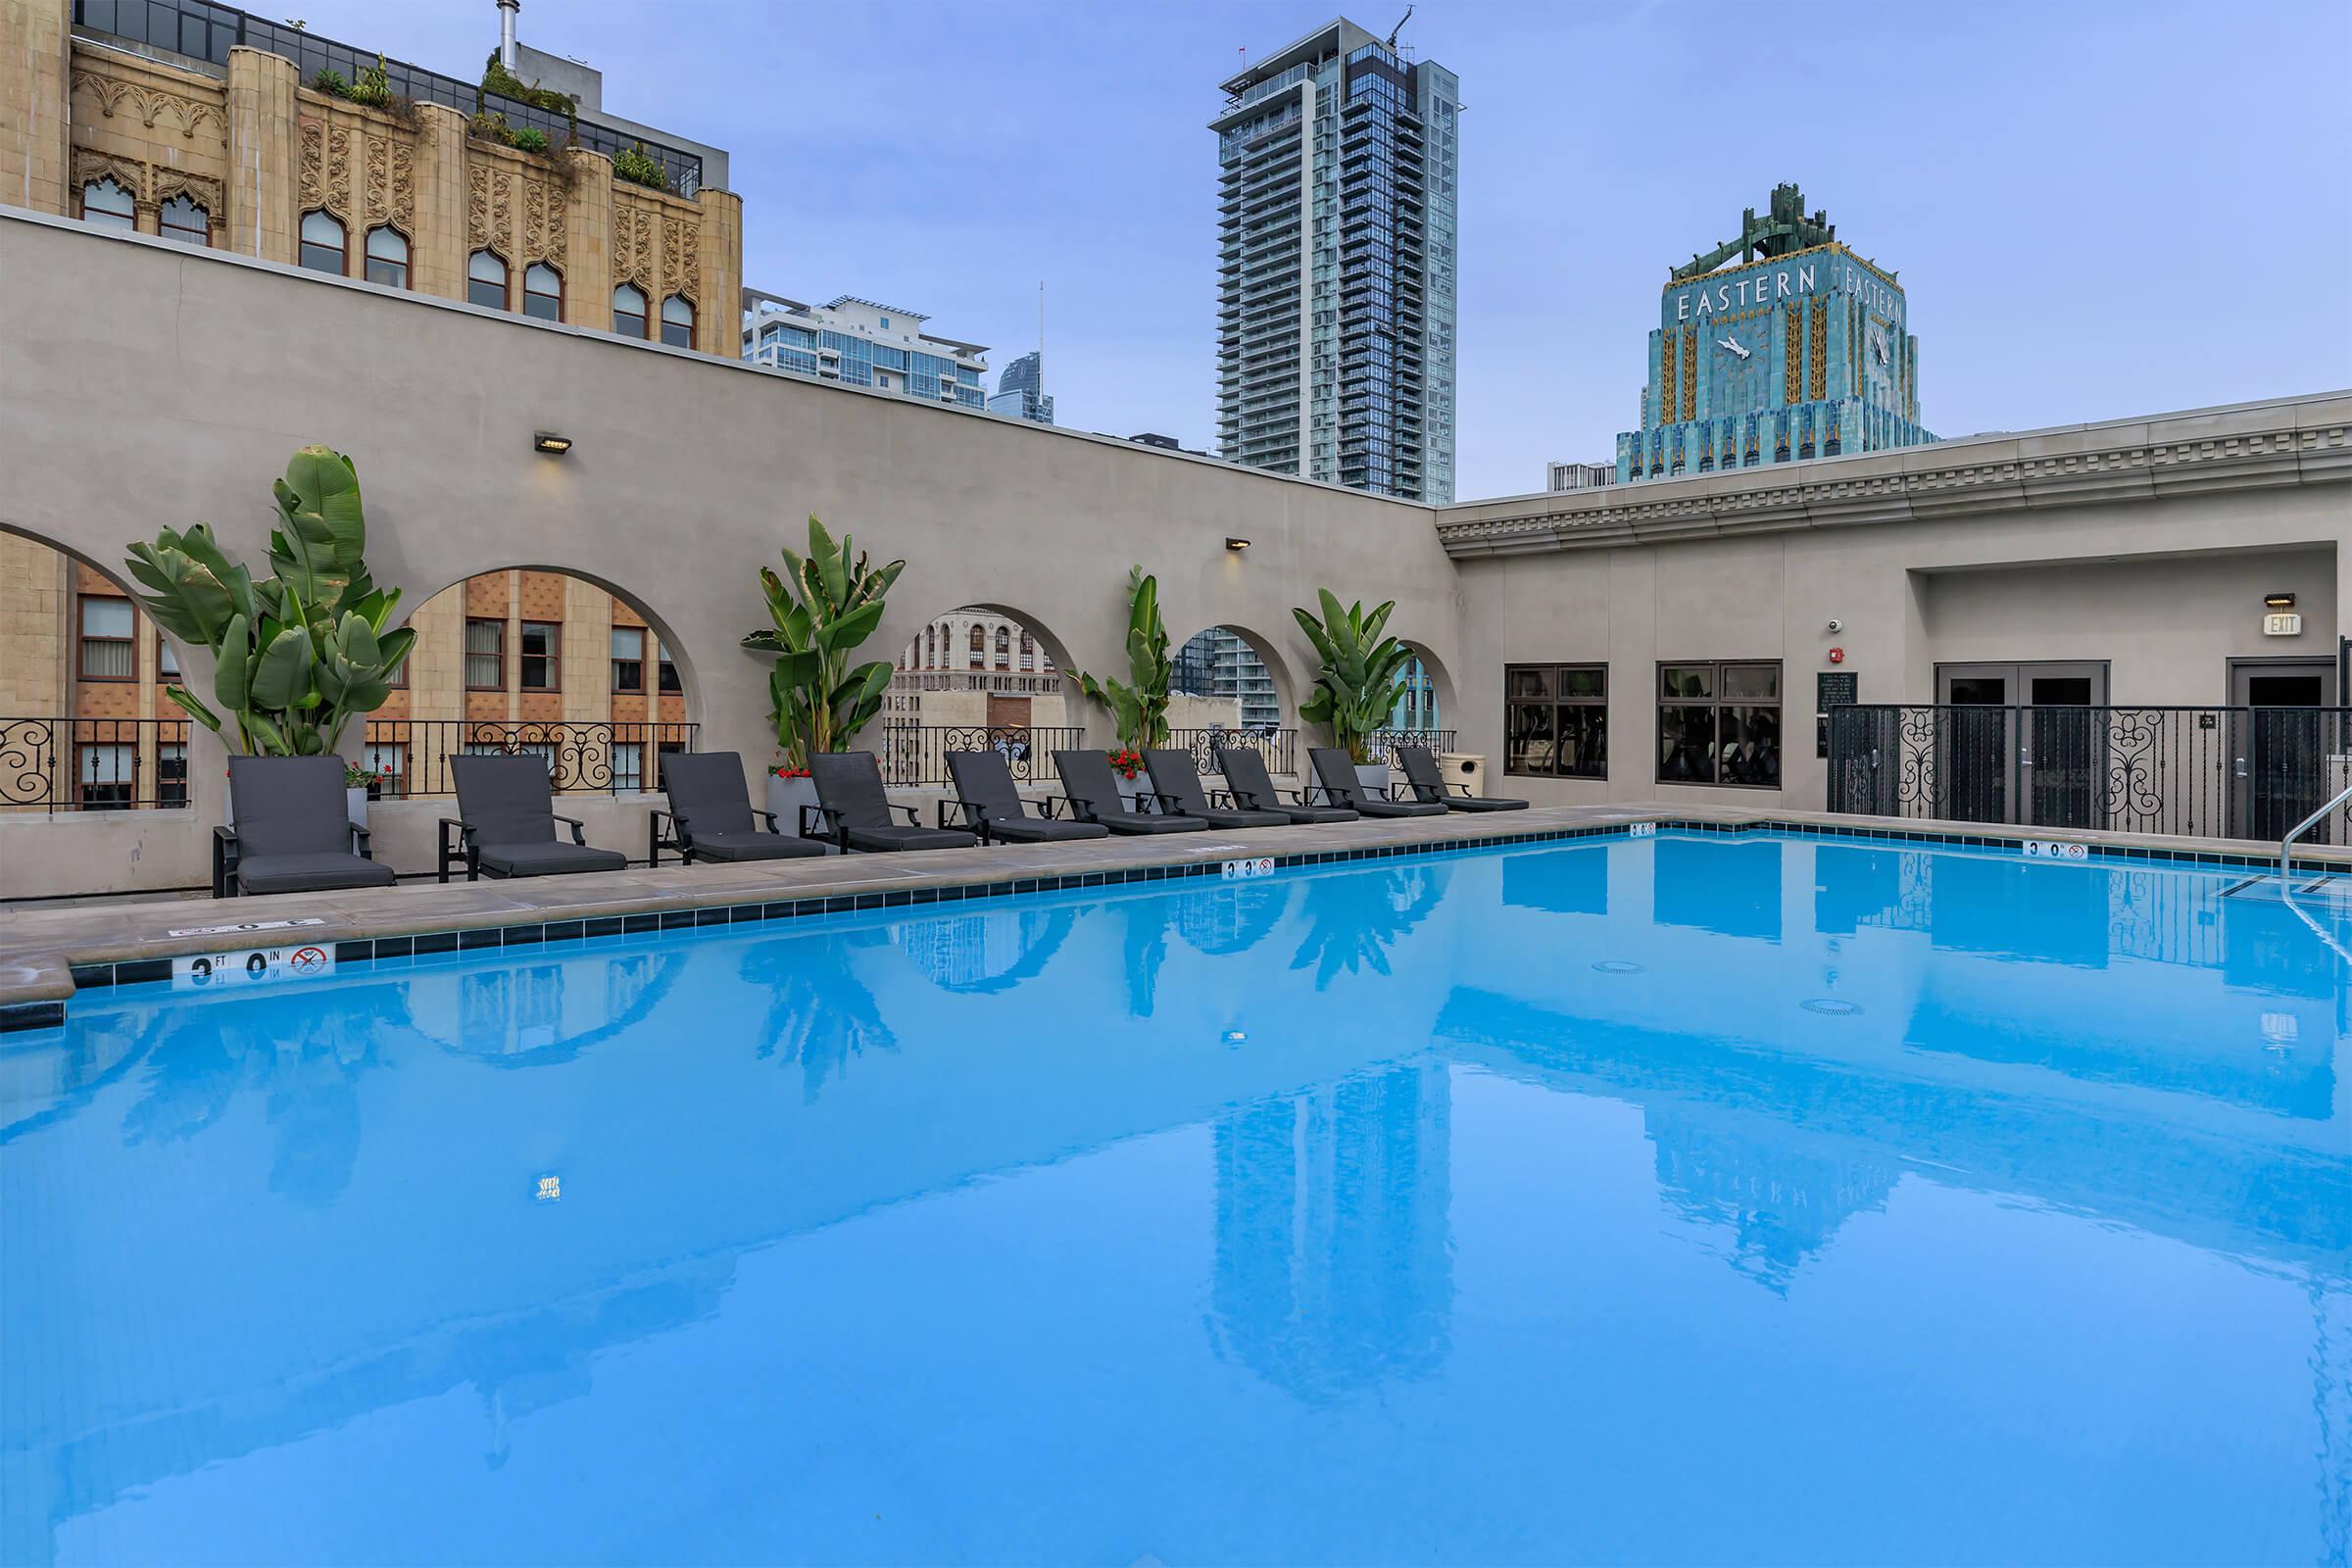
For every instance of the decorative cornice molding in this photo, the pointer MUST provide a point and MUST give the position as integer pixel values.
(1996, 475)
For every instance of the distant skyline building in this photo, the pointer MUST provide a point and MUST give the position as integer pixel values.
(1021, 390)
(1775, 347)
(1337, 160)
(1579, 476)
(859, 342)
(1219, 664)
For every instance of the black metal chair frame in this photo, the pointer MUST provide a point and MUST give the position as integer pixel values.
(470, 855)
(662, 833)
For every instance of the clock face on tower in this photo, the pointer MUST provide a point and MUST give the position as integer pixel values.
(1877, 367)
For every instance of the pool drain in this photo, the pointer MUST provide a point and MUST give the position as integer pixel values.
(1619, 966)
(1832, 1006)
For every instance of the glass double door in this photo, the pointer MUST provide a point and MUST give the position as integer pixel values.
(2021, 743)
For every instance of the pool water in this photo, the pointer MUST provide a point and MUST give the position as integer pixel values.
(1691, 1199)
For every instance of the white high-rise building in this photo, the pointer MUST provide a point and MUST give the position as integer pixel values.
(863, 344)
(1339, 158)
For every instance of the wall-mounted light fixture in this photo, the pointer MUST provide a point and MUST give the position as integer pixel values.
(1236, 544)
(2278, 601)
(553, 445)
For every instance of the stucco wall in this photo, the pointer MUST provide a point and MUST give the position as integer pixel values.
(144, 384)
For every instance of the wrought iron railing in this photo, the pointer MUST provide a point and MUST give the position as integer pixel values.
(93, 764)
(2213, 772)
(1279, 747)
(1384, 742)
(410, 757)
(917, 753)
(204, 30)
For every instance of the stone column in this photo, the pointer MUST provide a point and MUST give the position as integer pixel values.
(439, 247)
(35, 80)
(588, 240)
(265, 157)
(719, 327)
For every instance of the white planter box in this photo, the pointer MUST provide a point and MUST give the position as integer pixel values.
(1373, 780)
(1137, 792)
(355, 805)
(785, 798)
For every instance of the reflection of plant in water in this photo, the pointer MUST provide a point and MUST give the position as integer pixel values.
(820, 1014)
(207, 1055)
(1353, 920)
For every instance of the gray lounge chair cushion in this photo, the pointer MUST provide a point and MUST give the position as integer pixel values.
(293, 827)
(1252, 786)
(752, 844)
(1334, 774)
(849, 783)
(712, 806)
(889, 840)
(1085, 778)
(310, 872)
(1421, 772)
(1173, 775)
(706, 793)
(506, 800)
(984, 784)
(549, 859)
(289, 806)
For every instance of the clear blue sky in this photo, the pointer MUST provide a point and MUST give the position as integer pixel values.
(2097, 210)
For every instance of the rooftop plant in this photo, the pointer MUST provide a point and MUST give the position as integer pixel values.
(497, 78)
(823, 604)
(301, 653)
(1139, 706)
(1356, 688)
(639, 166)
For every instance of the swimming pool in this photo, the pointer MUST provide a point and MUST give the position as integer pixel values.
(1694, 1198)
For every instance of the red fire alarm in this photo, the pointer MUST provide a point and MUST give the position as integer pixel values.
(1837, 656)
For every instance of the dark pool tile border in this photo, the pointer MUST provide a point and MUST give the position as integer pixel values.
(130, 971)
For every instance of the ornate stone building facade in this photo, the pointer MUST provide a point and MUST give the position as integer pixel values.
(1779, 346)
(230, 148)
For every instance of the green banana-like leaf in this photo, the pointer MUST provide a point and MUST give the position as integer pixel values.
(194, 704)
(849, 630)
(392, 652)
(266, 739)
(281, 676)
(232, 666)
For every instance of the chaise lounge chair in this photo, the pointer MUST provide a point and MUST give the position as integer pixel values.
(1175, 780)
(1094, 794)
(855, 809)
(1252, 789)
(711, 811)
(507, 819)
(994, 808)
(1422, 777)
(1335, 777)
(292, 832)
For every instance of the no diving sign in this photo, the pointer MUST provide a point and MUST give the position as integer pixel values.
(251, 965)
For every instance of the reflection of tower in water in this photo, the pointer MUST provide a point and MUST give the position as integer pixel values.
(1334, 1256)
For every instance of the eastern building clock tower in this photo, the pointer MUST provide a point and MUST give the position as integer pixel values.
(1775, 347)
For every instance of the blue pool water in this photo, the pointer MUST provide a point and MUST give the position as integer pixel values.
(1673, 1200)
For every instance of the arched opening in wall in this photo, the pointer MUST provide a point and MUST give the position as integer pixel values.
(980, 677)
(1230, 687)
(85, 721)
(540, 660)
(1422, 714)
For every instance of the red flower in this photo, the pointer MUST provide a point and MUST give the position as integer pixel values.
(1127, 762)
(790, 772)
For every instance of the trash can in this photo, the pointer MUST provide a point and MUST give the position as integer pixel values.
(1466, 768)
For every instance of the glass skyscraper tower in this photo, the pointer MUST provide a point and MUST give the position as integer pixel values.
(1021, 390)
(1339, 159)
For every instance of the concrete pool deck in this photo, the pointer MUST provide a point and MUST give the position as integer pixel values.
(47, 952)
